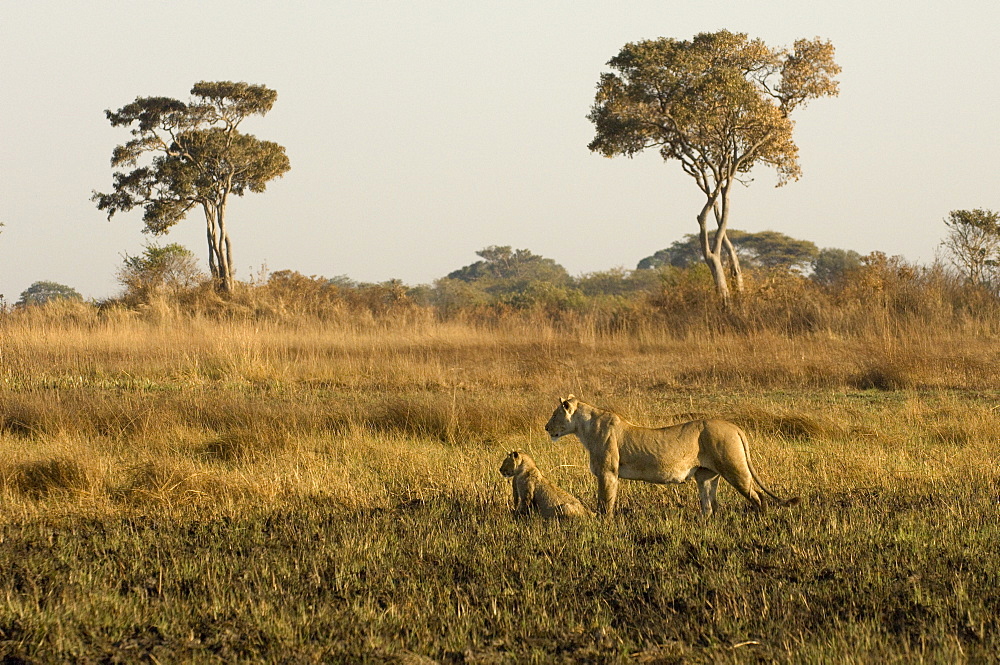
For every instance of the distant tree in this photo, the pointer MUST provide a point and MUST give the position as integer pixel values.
(503, 264)
(771, 249)
(451, 295)
(763, 249)
(193, 155)
(832, 264)
(973, 243)
(170, 268)
(719, 104)
(619, 282)
(680, 254)
(41, 293)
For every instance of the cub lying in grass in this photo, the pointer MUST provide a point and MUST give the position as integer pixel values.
(532, 490)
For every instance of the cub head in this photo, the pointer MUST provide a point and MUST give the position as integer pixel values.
(561, 422)
(514, 462)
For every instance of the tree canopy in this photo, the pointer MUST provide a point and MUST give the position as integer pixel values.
(504, 264)
(192, 154)
(516, 278)
(44, 292)
(719, 104)
(832, 265)
(764, 249)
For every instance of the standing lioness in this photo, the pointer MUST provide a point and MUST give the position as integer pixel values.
(533, 490)
(702, 449)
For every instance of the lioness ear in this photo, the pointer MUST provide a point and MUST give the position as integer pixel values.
(513, 454)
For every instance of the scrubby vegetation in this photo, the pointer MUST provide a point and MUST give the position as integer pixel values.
(307, 471)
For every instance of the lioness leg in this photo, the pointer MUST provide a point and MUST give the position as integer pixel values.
(744, 484)
(708, 486)
(607, 493)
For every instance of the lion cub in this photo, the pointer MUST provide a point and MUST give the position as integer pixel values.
(533, 490)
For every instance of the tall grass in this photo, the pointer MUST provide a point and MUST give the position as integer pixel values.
(242, 481)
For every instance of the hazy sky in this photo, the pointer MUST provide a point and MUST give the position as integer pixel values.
(420, 132)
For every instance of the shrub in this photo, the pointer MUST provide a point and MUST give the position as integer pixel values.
(158, 271)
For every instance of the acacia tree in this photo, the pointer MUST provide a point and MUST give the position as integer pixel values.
(973, 243)
(720, 104)
(501, 262)
(44, 292)
(763, 249)
(186, 155)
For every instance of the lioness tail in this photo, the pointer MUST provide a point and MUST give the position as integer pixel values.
(793, 501)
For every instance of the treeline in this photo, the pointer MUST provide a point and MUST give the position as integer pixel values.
(880, 295)
(791, 287)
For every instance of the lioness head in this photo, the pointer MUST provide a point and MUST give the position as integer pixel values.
(561, 422)
(514, 461)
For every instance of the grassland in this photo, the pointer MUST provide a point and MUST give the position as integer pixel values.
(185, 488)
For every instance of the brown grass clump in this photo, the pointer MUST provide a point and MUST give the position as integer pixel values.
(883, 375)
(22, 416)
(44, 477)
(170, 483)
(793, 425)
(449, 418)
(249, 445)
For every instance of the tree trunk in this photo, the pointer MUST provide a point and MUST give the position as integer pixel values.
(225, 252)
(721, 210)
(213, 267)
(712, 252)
(220, 260)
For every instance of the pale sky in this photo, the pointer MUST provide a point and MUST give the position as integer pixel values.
(420, 132)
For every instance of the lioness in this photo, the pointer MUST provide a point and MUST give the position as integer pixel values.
(704, 449)
(533, 490)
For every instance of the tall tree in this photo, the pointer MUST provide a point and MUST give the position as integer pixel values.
(973, 243)
(192, 154)
(720, 104)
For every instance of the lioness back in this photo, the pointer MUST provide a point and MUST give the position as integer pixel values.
(703, 450)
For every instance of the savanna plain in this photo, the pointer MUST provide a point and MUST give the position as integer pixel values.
(179, 487)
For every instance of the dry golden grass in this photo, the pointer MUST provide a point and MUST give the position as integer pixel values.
(353, 462)
(101, 401)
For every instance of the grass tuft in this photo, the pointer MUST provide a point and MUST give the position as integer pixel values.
(249, 445)
(883, 375)
(22, 416)
(41, 478)
(169, 484)
(788, 425)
